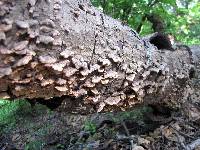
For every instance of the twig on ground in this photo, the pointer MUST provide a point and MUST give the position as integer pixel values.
(182, 132)
(128, 134)
(179, 140)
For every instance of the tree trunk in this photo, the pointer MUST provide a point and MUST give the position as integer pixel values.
(69, 49)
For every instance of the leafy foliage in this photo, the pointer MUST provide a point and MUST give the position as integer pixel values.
(90, 127)
(8, 111)
(13, 111)
(34, 145)
(180, 17)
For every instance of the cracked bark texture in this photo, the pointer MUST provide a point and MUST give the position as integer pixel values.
(191, 103)
(69, 50)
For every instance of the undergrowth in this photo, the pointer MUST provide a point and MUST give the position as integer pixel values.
(37, 123)
(9, 112)
(12, 112)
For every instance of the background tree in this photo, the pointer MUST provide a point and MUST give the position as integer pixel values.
(178, 17)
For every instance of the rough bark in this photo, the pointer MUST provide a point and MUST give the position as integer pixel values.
(191, 104)
(68, 49)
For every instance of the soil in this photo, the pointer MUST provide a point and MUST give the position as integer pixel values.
(37, 127)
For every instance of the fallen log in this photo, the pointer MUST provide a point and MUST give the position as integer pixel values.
(68, 50)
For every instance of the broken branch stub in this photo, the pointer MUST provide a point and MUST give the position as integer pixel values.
(67, 48)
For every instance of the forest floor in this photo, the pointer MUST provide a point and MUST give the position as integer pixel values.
(38, 128)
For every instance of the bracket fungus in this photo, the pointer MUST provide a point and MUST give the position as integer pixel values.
(45, 39)
(22, 24)
(5, 71)
(69, 71)
(5, 27)
(67, 53)
(32, 2)
(23, 61)
(46, 59)
(96, 79)
(105, 62)
(111, 74)
(115, 58)
(61, 88)
(46, 82)
(130, 77)
(2, 36)
(21, 45)
(60, 65)
(48, 22)
(61, 81)
(4, 50)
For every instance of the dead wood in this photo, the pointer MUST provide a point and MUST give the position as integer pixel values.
(69, 49)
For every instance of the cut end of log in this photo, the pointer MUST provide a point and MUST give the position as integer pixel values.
(161, 41)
